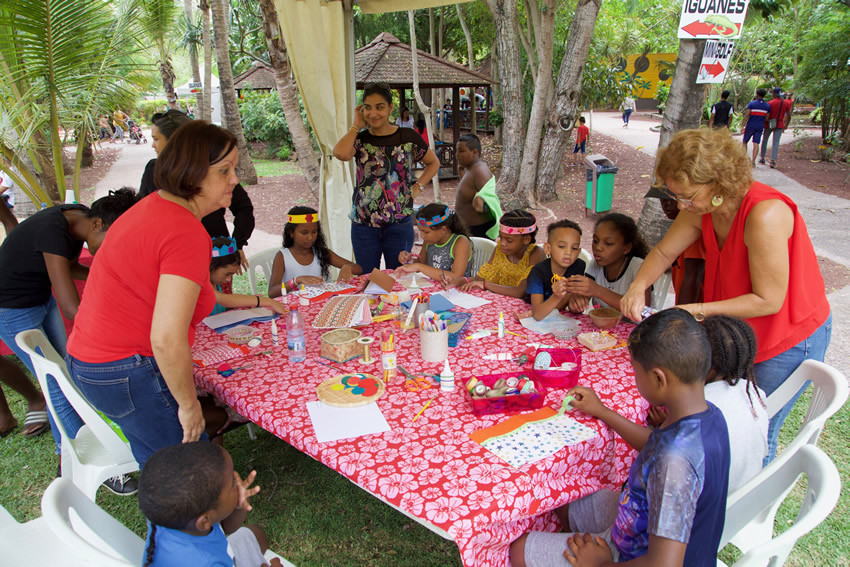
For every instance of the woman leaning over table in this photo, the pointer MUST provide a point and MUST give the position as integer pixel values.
(760, 262)
(130, 351)
(382, 204)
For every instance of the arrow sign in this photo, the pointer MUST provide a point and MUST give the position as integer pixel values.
(712, 70)
(715, 61)
(707, 19)
(707, 29)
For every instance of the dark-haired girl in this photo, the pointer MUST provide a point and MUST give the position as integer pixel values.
(305, 258)
(41, 253)
(515, 254)
(224, 263)
(382, 204)
(447, 251)
(618, 253)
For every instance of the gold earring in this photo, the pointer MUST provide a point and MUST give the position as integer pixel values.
(717, 200)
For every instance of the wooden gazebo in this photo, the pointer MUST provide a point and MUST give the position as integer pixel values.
(258, 78)
(387, 60)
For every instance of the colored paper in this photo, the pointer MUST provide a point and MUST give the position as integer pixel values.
(332, 424)
(344, 311)
(461, 299)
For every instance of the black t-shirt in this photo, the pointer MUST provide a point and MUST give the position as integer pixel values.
(721, 112)
(540, 277)
(240, 206)
(24, 281)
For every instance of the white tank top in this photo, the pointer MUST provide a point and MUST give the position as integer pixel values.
(292, 269)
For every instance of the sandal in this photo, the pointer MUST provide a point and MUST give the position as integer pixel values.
(35, 418)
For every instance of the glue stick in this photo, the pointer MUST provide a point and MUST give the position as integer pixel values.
(302, 299)
(274, 332)
(500, 327)
(388, 360)
(447, 378)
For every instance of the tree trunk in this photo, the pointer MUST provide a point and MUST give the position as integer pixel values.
(246, 172)
(288, 96)
(206, 95)
(497, 89)
(47, 174)
(567, 98)
(545, 32)
(470, 59)
(504, 15)
(415, 64)
(193, 59)
(166, 73)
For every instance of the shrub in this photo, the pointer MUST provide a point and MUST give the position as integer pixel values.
(147, 108)
(263, 120)
(283, 153)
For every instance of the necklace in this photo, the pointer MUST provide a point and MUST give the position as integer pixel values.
(622, 270)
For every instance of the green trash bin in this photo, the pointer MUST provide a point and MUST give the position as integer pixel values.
(600, 184)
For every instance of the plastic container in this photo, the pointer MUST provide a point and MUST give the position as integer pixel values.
(295, 335)
(558, 378)
(564, 330)
(434, 345)
(512, 403)
(458, 321)
(605, 317)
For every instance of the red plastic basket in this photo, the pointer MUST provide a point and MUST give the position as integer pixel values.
(508, 404)
(558, 378)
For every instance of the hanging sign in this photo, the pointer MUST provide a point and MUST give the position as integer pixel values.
(715, 61)
(712, 19)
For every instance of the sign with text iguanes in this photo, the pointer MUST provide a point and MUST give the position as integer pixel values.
(712, 19)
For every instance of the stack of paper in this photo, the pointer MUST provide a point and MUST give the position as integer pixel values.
(233, 317)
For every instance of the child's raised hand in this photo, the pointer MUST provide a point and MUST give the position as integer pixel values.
(245, 490)
(404, 257)
(345, 273)
(578, 303)
(581, 285)
(587, 550)
(587, 401)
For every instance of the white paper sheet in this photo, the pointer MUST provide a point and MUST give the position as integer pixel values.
(332, 424)
(461, 299)
(234, 316)
(543, 326)
(374, 289)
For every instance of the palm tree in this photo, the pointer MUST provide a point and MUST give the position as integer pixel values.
(191, 41)
(62, 62)
(247, 173)
(159, 22)
(206, 95)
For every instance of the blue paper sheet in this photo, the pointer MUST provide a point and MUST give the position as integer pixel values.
(437, 304)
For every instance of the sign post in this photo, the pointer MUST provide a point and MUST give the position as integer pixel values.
(715, 61)
(712, 19)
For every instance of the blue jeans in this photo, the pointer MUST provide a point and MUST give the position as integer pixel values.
(626, 115)
(370, 243)
(774, 150)
(772, 373)
(48, 319)
(132, 393)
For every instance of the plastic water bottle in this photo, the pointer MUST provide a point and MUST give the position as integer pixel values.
(295, 335)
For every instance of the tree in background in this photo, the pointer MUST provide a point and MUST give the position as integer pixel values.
(206, 95)
(232, 121)
(158, 20)
(192, 42)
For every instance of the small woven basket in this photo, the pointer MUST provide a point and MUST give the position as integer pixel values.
(340, 345)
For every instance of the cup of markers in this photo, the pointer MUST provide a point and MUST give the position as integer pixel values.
(433, 337)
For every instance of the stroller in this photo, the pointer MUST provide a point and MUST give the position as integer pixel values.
(135, 133)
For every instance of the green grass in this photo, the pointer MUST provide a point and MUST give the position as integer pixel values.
(275, 168)
(315, 516)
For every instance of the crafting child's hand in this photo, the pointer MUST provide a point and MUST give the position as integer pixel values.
(581, 285)
(191, 419)
(476, 284)
(586, 550)
(345, 273)
(656, 416)
(559, 288)
(578, 303)
(245, 490)
(520, 315)
(587, 401)
(404, 257)
(409, 268)
(275, 306)
(310, 280)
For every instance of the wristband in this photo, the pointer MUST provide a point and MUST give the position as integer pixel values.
(700, 315)
(291, 285)
(466, 279)
(258, 301)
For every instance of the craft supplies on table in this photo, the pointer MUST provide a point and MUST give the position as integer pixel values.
(295, 338)
(344, 311)
(599, 340)
(320, 292)
(240, 334)
(532, 398)
(557, 367)
(428, 403)
(436, 303)
(388, 356)
(456, 323)
(233, 317)
(350, 390)
(433, 338)
(366, 343)
(544, 326)
(220, 353)
(340, 345)
(413, 383)
(461, 299)
(334, 423)
(447, 378)
(528, 438)
(274, 333)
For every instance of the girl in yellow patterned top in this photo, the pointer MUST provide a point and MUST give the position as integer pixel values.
(514, 256)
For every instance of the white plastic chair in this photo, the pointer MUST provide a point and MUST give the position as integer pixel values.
(97, 453)
(33, 543)
(763, 495)
(482, 249)
(88, 530)
(829, 394)
(585, 255)
(262, 260)
(660, 289)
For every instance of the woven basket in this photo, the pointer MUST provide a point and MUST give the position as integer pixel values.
(340, 345)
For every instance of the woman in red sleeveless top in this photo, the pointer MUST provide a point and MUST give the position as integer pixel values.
(760, 264)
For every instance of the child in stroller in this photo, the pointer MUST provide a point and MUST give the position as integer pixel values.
(135, 133)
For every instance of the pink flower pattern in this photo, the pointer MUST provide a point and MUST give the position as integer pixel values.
(431, 468)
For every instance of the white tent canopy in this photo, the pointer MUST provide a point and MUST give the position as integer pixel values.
(320, 42)
(183, 91)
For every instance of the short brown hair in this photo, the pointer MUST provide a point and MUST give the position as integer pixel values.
(186, 158)
(706, 157)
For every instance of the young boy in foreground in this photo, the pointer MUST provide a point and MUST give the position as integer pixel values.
(672, 509)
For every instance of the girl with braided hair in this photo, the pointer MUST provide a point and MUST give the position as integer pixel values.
(731, 386)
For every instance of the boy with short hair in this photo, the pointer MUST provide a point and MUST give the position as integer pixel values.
(476, 203)
(721, 112)
(753, 125)
(582, 138)
(547, 282)
(673, 507)
(196, 504)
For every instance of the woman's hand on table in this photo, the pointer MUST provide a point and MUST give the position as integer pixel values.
(345, 273)
(633, 302)
(587, 550)
(587, 401)
(191, 419)
(245, 490)
(276, 306)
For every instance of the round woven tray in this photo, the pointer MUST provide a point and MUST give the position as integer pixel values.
(350, 390)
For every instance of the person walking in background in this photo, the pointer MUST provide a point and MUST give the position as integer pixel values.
(628, 106)
(721, 112)
(778, 119)
(754, 118)
(118, 119)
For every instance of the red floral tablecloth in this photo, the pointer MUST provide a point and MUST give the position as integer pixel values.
(430, 468)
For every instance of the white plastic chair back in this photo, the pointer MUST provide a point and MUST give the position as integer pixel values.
(87, 529)
(97, 453)
(33, 543)
(764, 493)
(585, 255)
(262, 260)
(482, 249)
(660, 290)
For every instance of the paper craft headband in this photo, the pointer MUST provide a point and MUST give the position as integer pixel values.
(436, 219)
(302, 219)
(517, 229)
(224, 250)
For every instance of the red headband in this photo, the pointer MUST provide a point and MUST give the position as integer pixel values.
(517, 229)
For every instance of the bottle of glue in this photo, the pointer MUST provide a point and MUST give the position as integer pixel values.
(447, 378)
(500, 327)
(302, 297)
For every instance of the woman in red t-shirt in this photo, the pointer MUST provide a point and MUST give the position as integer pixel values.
(760, 264)
(130, 351)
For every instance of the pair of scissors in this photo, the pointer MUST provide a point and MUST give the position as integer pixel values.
(413, 383)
